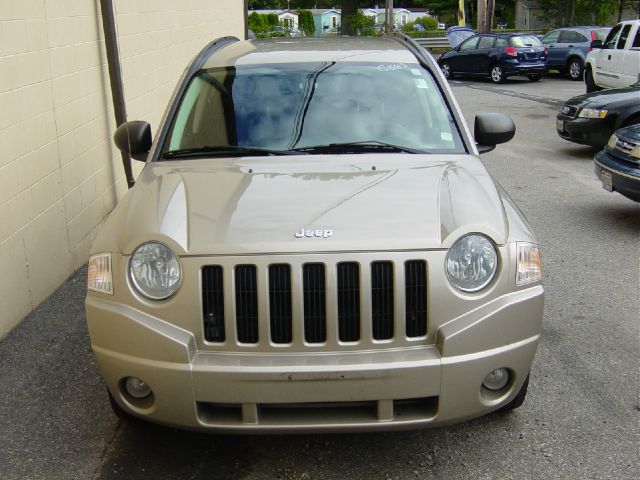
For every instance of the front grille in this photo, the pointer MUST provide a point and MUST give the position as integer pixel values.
(626, 145)
(570, 111)
(301, 305)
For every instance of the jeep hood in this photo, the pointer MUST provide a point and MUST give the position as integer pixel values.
(257, 205)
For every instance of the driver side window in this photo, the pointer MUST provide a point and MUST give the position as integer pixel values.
(612, 38)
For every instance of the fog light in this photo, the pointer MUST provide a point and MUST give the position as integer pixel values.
(496, 380)
(137, 388)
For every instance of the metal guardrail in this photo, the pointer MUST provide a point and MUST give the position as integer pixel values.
(429, 43)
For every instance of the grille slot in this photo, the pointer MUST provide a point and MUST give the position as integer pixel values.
(280, 303)
(246, 303)
(415, 280)
(382, 300)
(213, 303)
(348, 302)
(314, 291)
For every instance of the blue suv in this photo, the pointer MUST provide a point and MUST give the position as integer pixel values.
(568, 48)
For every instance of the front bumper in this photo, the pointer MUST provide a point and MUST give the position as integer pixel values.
(625, 178)
(394, 388)
(584, 131)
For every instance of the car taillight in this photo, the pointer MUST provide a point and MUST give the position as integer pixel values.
(511, 51)
(593, 36)
(546, 50)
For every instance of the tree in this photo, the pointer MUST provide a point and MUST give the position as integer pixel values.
(581, 12)
(305, 22)
(349, 9)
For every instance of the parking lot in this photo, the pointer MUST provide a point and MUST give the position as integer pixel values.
(580, 419)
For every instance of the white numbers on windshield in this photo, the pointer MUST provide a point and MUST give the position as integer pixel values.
(392, 67)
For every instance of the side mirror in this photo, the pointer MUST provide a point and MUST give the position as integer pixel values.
(596, 44)
(134, 138)
(490, 129)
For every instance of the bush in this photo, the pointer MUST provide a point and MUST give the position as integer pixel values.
(429, 23)
(257, 23)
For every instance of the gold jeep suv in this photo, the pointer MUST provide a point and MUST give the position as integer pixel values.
(314, 245)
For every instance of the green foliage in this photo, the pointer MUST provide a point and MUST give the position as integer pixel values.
(583, 12)
(429, 23)
(257, 22)
(272, 19)
(361, 24)
(305, 22)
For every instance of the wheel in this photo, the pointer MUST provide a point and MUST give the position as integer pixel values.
(589, 82)
(519, 398)
(534, 77)
(575, 69)
(446, 70)
(496, 73)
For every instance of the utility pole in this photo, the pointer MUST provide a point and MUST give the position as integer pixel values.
(389, 16)
(482, 14)
(485, 15)
(488, 24)
(461, 15)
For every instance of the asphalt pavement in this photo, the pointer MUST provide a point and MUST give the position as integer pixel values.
(580, 419)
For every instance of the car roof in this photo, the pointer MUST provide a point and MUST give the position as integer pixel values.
(328, 49)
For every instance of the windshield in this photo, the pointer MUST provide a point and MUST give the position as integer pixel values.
(525, 41)
(294, 106)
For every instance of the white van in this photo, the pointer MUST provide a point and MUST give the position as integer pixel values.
(614, 63)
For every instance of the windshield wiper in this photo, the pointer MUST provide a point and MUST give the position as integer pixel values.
(219, 150)
(358, 147)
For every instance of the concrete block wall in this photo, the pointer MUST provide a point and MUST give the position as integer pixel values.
(60, 175)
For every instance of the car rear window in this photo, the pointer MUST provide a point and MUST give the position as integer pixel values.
(525, 41)
(289, 106)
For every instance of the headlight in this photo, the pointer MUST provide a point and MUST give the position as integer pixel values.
(592, 113)
(155, 271)
(472, 262)
(612, 141)
(529, 263)
(99, 277)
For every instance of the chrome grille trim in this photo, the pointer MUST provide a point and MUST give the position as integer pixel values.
(285, 329)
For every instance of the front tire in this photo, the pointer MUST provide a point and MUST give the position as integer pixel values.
(519, 398)
(534, 77)
(496, 73)
(119, 411)
(575, 69)
(590, 82)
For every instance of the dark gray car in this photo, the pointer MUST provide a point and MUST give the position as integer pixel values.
(568, 48)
